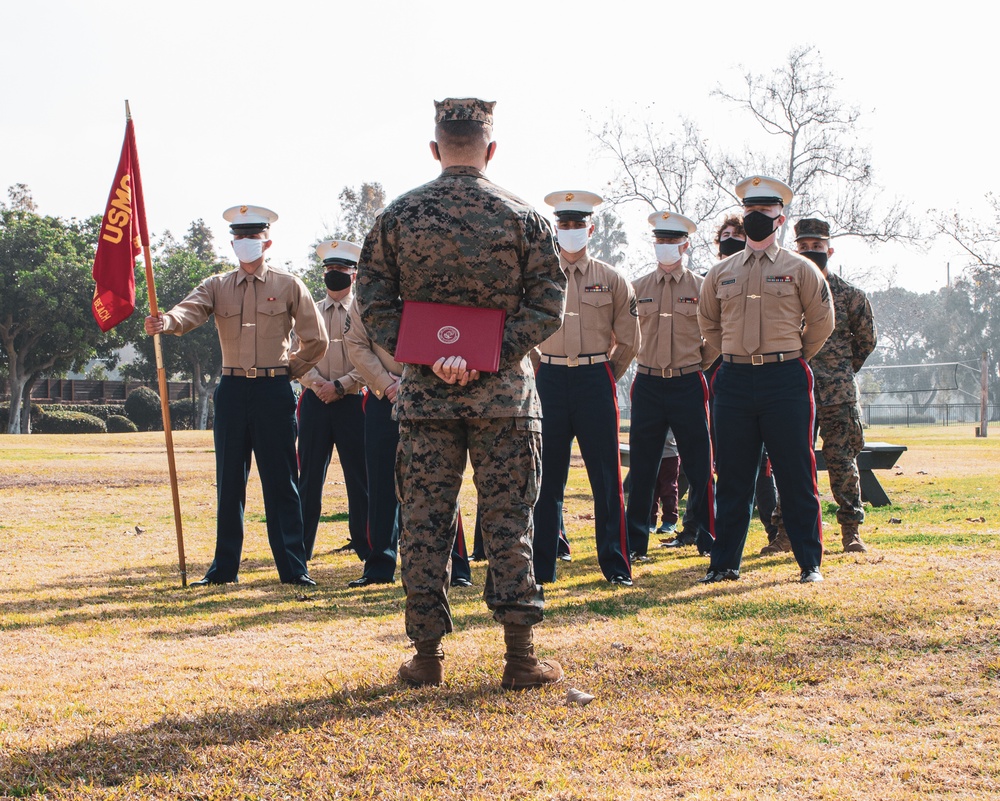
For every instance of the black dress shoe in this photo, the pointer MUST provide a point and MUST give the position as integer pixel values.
(366, 581)
(204, 582)
(640, 557)
(461, 582)
(565, 557)
(620, 581)
(714, 576)
(305, 580)
(677, 542)
(810, 575)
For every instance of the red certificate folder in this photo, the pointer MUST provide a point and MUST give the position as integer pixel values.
(428, 331)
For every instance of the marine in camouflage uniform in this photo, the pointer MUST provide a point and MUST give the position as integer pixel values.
(460, 239)
(838, 410)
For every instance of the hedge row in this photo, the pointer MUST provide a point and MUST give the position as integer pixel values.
(60, 422)
(140, 412)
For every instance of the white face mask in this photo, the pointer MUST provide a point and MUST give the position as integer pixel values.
(573, 240)
(667, 255)
(248, 250)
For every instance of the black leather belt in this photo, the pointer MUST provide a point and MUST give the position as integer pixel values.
(762, 358)
(575, 361)
(668, 372)
(255, 372)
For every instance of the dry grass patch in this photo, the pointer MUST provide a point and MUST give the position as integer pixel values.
(116, 683)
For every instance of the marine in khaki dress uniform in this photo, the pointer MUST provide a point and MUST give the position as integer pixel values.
(580, 365)
(330, 413)
(256, 308)
(768, 310)
(670, 391)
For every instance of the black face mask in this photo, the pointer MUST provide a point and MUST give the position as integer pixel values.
(817, 257)
(336, 281)
(727, 247)
(758, 225)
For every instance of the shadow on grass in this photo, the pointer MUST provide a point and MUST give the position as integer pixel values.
(172, 744)
(260, 601)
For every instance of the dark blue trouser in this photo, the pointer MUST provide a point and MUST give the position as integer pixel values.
(321, 427)
(381, 442)
(382, 536)
(769, 405)
(581, 402)
(680, 404)
(256, 417)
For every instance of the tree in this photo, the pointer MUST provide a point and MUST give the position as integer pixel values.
(811, 144)
(46, 289)
(178, 269)
(358, 209)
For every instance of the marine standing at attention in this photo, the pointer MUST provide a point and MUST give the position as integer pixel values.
(256, 308)
(330, 413)
(577, 383)
(461, 239)
(768, 310)
(670, 391)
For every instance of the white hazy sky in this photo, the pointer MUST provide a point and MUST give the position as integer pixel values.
(282, 104)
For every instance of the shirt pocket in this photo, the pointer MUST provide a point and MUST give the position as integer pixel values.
(645, 310)
(273, 321)
(595, 311)
(686, 309)
(228, 321)
(781, 298)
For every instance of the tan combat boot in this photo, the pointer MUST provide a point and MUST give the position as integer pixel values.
(851, 539)
(522, 669)
(425, 668)
(781, 543)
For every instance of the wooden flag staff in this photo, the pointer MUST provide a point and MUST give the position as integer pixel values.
(161, 375)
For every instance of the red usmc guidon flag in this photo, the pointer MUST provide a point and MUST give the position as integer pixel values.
(123, 235)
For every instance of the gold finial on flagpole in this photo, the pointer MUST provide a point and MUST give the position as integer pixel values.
(128, 112)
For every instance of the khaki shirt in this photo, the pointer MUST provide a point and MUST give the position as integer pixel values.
(282, 302)
(600, 303)
(791, 292)
(375, 365)
(336, 364)
(667, 304)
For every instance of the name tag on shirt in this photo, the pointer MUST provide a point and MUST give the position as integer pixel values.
(597, 288)
(728, 281)
(644, 300)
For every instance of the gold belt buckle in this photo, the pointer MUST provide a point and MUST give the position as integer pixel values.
(666, 373)
(757, 358)
(251, 373)
(572, 361)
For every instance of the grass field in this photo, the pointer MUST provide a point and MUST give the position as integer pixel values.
(880, 683)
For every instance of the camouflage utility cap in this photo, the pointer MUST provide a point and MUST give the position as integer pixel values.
(812, 228)
(464, 108)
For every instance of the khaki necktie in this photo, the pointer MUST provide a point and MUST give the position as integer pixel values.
(248, 329)
(572, 340)
(664, 331)
(751, 321)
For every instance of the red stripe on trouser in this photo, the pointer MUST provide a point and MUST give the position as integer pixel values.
(618, 460)
(710, 489)
(298, 424)
(812, 445)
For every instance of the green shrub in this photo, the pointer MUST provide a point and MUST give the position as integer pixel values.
(102, 410)
(184, 414)
(37, 412)
(142, 407)
(120, 425)
(59, 422)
